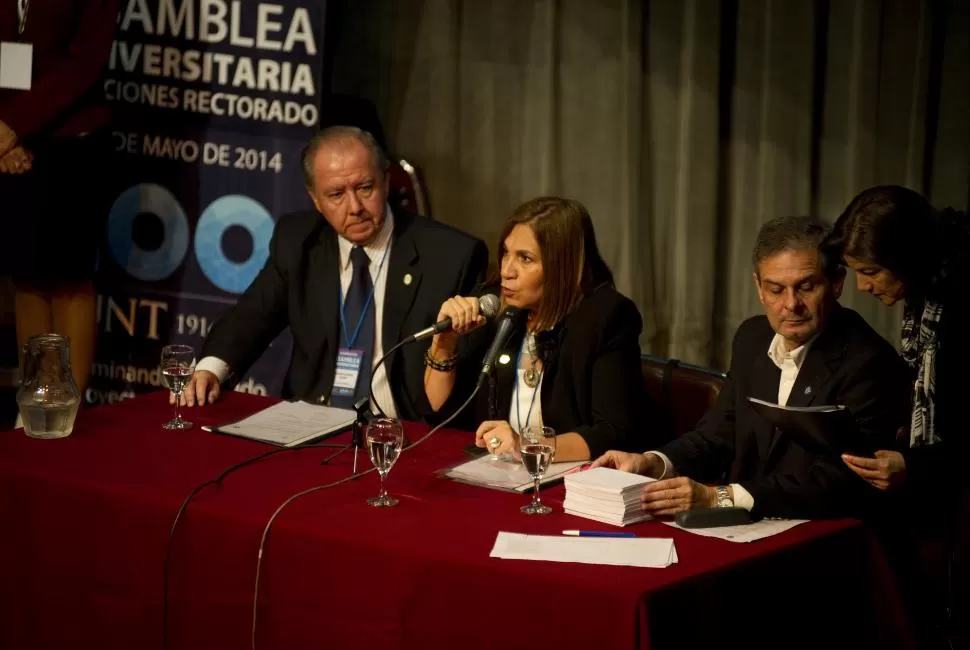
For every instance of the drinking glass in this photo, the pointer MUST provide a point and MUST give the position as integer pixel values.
(537, 447)
(177, 367)
(385, 437)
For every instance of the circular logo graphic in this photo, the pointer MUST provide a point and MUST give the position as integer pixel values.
(223, 213)
(148, 265)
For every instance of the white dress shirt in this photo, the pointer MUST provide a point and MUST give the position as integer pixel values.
(375, 251)
(789, 362)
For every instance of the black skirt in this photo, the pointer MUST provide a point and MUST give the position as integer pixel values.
(52, 219)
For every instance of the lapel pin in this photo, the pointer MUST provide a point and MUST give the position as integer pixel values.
(407, 279)
(808, 390)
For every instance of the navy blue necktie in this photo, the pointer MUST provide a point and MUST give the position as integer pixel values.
(355, 303)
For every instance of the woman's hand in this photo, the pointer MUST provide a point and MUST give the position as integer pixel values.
(497, 436)
(16, 161)
(7, 138)
(886, 470)
(464, 315)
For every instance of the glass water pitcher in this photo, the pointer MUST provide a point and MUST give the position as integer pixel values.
(48, 397)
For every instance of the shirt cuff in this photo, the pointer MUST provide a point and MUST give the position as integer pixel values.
(216, 366)
(742, 498)
(668, 466)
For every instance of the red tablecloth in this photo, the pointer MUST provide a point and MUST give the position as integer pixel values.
(85, 520)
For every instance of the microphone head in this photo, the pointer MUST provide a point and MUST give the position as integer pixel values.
(488, 305)
(362, 406)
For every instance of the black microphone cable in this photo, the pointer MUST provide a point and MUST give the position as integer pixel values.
(380, 362)
(201, 486)
(282, 506)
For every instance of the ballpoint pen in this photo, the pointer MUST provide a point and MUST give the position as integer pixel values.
(595, 533)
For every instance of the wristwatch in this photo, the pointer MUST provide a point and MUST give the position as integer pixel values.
(724, 499)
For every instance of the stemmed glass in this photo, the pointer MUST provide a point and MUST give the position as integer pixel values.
(177, 362)
(385, 437)
(537, 447)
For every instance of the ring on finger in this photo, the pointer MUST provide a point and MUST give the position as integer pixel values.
(494, 442)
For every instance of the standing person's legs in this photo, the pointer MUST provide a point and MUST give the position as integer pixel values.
(74, 313)
(32, 313)
(54, 286)
(66, 310)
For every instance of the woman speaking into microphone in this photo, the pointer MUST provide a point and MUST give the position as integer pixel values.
(572, 360)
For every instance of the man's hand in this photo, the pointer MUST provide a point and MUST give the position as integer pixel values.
(7, 138)
(16, 161)
(648, 464)
(673, 495)
(203, 388)
(886, 470)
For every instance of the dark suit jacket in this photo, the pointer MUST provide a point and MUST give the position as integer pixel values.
(592, 381)
(299, 287)
(848, 364)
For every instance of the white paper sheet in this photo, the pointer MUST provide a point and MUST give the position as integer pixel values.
(290, 423)
(505, 474)
(747, 532)
(619, 551)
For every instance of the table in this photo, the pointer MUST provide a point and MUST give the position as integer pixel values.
(85, 521)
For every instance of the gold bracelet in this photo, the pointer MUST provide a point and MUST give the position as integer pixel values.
(441, 366)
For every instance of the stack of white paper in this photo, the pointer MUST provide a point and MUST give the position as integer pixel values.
(505, 474)
(637, 551)
(606, 495)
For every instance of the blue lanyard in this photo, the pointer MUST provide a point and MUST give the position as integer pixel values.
(515, 394)
(370, 298)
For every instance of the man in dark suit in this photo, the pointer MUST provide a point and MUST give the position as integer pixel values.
(348, 285)
(806, 350)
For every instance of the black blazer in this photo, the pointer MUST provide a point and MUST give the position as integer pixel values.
(299, 287)
(848, 364)
(592, 381)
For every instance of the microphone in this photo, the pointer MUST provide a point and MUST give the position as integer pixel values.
(487, 306)
(502, 334)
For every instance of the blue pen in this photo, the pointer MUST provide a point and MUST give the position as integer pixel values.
(594, 533)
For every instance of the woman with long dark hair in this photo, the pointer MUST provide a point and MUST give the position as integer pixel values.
(903, 249)
(573, 360)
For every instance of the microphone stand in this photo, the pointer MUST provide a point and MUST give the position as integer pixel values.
(364, 416)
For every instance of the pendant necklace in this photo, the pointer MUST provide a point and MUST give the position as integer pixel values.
(531, 374)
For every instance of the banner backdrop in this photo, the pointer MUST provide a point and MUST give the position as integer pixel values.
(214, 100)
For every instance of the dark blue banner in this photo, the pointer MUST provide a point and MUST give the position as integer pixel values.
(214, 101)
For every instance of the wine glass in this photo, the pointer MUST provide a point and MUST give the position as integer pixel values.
(537, 447)
(177, 362)
(385, 437)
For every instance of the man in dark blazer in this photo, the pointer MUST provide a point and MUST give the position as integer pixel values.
(806, 350)
(349, 285)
